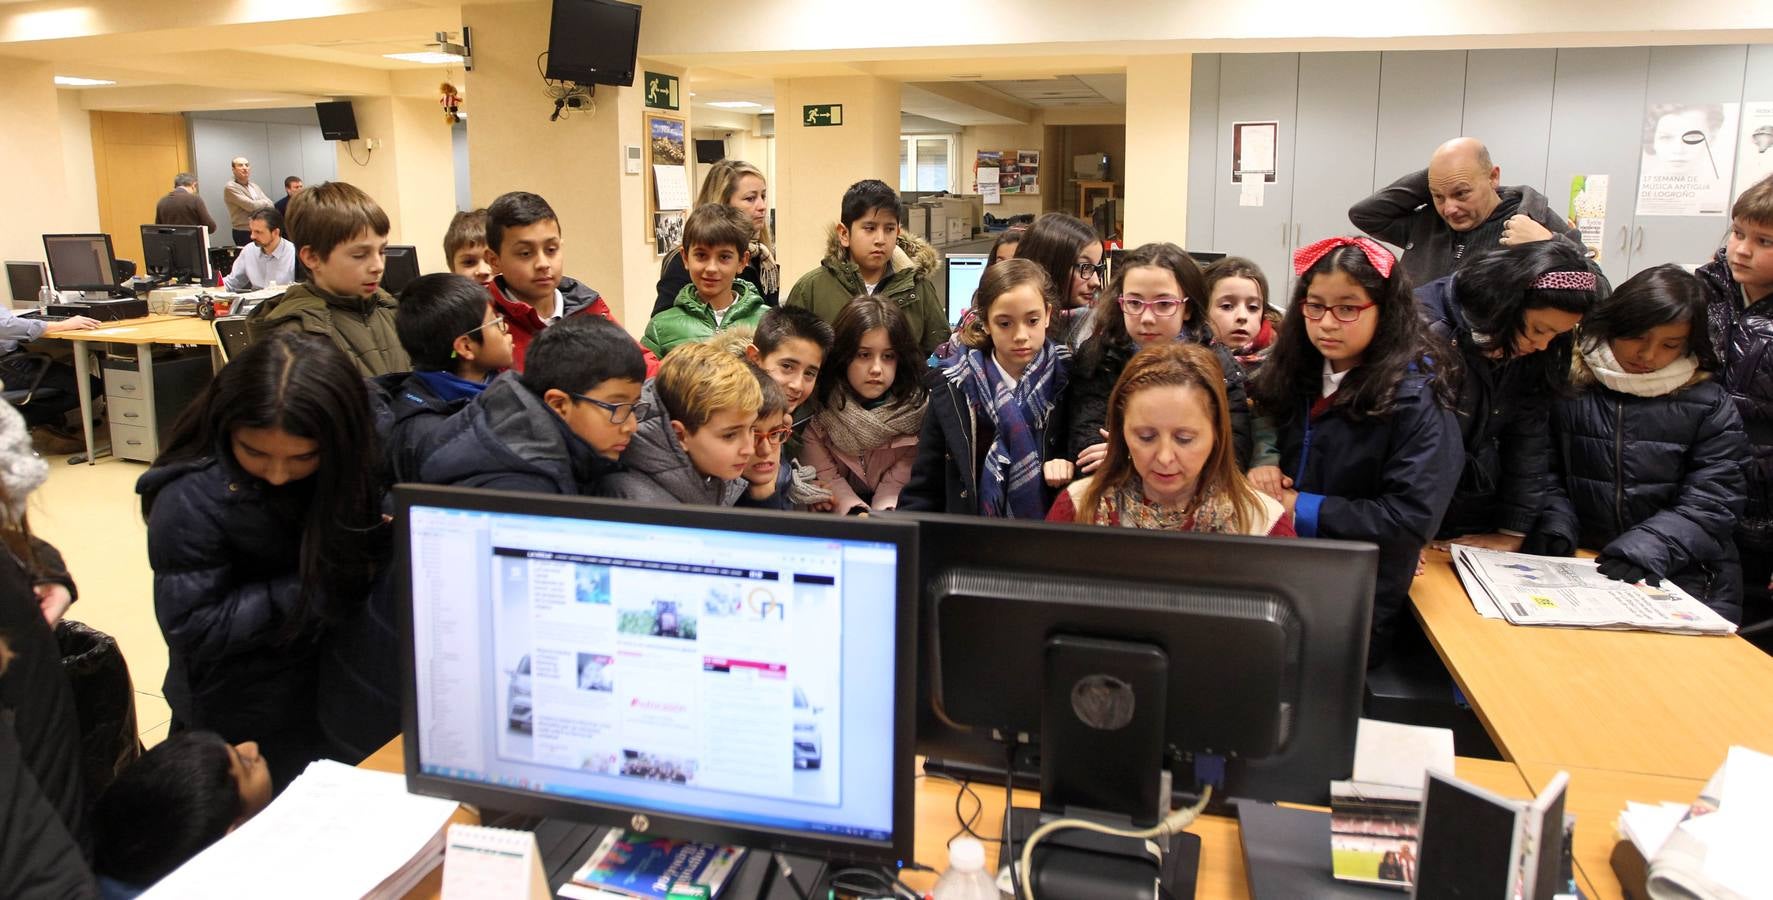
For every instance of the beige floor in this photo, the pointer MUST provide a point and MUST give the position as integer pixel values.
(91, 514)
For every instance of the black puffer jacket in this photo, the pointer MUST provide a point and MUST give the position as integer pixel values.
(1096, 368)
(951, 448)
(1503, 414)
(409, 416)
(1743, 339)
(1655, 480)
(35, 694)
(507, 439)
(226, 550)
(39, 860)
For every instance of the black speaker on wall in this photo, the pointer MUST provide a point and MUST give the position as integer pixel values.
(338, 121)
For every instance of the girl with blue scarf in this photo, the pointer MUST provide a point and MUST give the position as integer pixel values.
(993, 440)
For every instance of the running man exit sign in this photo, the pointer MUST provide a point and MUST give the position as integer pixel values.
(822, 115)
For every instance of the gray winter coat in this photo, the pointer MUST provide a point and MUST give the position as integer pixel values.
(658, 469)
(1403, 213)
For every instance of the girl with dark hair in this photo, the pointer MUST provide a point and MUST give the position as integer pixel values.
(1155, 298)
(1238, 310)
(1069, 250)
(863, 440)
(1001, 249)
(264, 528)
(1509, 316)
(1169, 463)
(1362, 401)
(1650, 451)
(993, 440)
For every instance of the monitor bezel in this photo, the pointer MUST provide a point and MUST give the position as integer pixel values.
(42, 268)
(903, 535)
(585, 74)
(110, 257)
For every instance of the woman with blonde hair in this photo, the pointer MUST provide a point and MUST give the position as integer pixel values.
(740, 185)
(1170, 463)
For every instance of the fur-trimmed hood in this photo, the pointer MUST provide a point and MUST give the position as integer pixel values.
(913, 252)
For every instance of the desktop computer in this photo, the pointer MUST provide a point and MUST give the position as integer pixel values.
(964, 272)
(85, 263)
(25, 279)
(176, 254)
(687, 672)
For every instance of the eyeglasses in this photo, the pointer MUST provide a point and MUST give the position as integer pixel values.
(618, 412)
(1162, 307)
(776, 436)
(1085, 270)
(1344, 312)
(497, 322)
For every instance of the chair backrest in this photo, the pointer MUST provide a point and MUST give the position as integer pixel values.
(231, 333)
(21, 374)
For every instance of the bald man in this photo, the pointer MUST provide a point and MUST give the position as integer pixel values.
(243, 198)
(1456, 210)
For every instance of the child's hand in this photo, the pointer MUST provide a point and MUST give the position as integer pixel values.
(1290, 500)
(1507, 543)
(54, 600)
(1058, 472)
(1270, 481)
(823, 506)
(1093, 456)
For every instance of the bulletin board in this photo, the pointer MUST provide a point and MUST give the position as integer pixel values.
(1000, 172)
(667, 179)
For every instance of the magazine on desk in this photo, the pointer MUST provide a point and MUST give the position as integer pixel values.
(1547, 590)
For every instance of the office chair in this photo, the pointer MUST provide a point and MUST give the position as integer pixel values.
(231, 334)
(21, 377)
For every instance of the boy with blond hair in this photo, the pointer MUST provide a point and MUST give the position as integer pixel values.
(694, 441)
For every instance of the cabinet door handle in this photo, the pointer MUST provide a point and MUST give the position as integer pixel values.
(1640, 245)
(1624, 238)
(1283, 234)
(1298, 233)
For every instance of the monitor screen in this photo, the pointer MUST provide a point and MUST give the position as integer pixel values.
(964, 272)
(593, 41)
(402, 268)
(25, 279)
(81, 262)
(178, 252)
(722, 676)
(338, 120)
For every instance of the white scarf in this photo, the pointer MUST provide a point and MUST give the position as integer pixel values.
(1665, 380)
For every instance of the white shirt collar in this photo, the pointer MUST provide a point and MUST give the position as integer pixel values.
(1333, 380)
(1009, 381)
(559, 307)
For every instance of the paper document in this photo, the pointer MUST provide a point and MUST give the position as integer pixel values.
(1544, 590)
(673, 186)
(336, 831)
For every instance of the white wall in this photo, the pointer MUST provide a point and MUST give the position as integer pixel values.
(81, 205)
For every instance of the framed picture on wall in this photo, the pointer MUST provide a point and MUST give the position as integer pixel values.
(667, 174)
(667, 230)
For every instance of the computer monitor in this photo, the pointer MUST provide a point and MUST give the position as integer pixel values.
(81, 262)
(593, 41)
(25, 279)
(692, 672)
(402, 268)
(178, 253)
(338, 120)
(1260, 646)
(964, 272)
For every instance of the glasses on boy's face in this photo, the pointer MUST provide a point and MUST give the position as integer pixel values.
(1162, 307)
(776, 436)
(618, 412)
(1344, 312)
(1085, 270)
(497, 322)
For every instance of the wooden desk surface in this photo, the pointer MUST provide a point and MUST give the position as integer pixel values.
(146, 330)
(1627, 701)
(1596, 797)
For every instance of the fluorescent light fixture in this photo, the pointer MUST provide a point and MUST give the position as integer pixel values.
(71, 81)
(429, 57)
(768, 111)
(734, 104)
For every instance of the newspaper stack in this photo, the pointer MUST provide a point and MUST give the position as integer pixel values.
(1717, 847)
(1544, 590)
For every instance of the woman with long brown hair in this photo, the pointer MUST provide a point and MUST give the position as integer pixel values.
(742, 186)
(1170, 463)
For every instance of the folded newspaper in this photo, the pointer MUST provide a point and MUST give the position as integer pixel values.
(1545, 590)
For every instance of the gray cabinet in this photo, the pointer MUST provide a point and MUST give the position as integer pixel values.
(1597, 117)
(1421, 105)
(1338, 128)
(1508, 97)
(1256, 87)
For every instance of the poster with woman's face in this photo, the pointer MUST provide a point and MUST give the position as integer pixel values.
(1754, 151)
(1689, 153)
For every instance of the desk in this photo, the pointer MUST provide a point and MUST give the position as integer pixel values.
(144, 333)
(1596, 797)
(1624, 701)
(1221, 855)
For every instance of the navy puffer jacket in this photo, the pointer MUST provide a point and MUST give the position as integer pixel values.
(1654, 480)
(1743, 339)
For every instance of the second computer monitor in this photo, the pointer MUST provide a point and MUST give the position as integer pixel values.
(25, 279)
(81, 262)
(403, 268)
(178, 253)
(964, 272)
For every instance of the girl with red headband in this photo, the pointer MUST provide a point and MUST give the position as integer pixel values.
(1362, 400)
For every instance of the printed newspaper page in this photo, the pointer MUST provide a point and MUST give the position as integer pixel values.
(1543, 590)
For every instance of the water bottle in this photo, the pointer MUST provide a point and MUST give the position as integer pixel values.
(966, 878)
(45, 297)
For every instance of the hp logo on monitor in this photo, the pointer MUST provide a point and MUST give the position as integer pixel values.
(640, 823)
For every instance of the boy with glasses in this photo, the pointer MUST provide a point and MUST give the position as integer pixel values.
(458, 343)
(558, 428)
(695, 440)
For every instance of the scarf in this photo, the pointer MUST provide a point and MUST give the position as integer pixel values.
(1665, 380)
(1010, 481)
(855, 429)
(768, 272)
(1213, 513)
(448, 386)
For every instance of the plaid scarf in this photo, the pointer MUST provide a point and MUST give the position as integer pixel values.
(1213, 513)
(1010, 479)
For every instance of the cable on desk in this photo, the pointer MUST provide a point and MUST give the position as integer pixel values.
(1173, 823)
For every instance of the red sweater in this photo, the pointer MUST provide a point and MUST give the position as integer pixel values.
(525, 323)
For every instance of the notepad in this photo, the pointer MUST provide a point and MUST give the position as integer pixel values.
(492, 864)
(336, 831)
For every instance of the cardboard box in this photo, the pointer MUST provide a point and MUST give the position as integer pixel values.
(959, 230)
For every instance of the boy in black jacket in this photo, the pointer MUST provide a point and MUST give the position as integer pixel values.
(556, 429)
(457, 343)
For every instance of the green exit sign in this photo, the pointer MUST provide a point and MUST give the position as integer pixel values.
(822, 115)
(661, 90)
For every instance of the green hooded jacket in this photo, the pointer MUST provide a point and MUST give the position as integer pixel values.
(691, 319)
(363, 327)
(829, 288)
